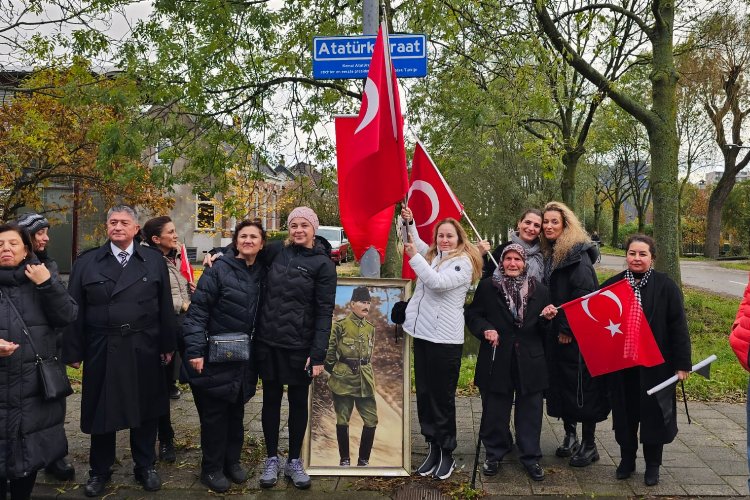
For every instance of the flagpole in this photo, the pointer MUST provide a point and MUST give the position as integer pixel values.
(479, 236)
(389, 70)
(673, 379)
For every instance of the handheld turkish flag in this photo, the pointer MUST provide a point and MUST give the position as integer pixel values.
(185, 268)
(611, 330)
(430, 199)
(362, 233)
(377, 177)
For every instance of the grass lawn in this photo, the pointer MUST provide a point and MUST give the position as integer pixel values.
(742, 265)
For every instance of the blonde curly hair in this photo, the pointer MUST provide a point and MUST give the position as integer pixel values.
(573, 234)
(464, 247)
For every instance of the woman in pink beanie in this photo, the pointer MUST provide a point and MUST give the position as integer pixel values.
(292, 336)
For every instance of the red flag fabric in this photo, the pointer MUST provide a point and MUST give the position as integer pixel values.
(362, 233)
(377, 175)
(430, 199)
(611, 330)
(185, 268)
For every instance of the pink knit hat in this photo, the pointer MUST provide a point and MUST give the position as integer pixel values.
(306, 213)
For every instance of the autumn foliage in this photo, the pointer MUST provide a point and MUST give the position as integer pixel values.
(75, 129)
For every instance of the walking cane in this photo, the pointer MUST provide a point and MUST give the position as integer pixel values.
(481, 423)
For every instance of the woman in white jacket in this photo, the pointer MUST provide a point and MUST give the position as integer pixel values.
(434, 317)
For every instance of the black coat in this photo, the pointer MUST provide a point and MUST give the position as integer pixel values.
(662, 304)
(489, 311)
(121, 364)
(573, 394)
(300, 294)
(225, 301)
(32, 433)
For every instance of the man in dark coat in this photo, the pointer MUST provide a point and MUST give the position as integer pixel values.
(124, 331)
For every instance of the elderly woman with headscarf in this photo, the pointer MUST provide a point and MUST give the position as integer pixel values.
(506, 316)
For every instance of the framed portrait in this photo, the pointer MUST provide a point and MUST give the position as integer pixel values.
(359, 407)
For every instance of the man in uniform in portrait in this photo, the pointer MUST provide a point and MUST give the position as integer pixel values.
(123, 335)
(352, 381)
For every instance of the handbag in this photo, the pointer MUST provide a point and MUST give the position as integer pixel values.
(398, 312)
(228, 347)
(53, 377)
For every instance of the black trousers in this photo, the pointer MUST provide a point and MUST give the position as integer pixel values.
(436, 368)
(222, 430)
(495, 431)
(142, 442)
(626, 425)
(166, 432)
(19, 489)
(271, 416)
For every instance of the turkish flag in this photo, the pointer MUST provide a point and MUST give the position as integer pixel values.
(430, 199)
(185, 268)
(611, 330)
(362, 233)
(376, 177)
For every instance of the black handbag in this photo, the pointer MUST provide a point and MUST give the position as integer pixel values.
(228, 347)
(398, 312)
(52, 375)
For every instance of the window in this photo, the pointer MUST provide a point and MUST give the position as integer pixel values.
(205, 211)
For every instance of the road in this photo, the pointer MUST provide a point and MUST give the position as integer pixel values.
(701, 274)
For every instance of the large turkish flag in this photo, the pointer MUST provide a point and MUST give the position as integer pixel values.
(611, 330)
(377, 175)
(430, 199)
(362, 232)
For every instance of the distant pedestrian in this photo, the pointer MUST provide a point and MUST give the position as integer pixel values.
(634, 413)
(124, 332)
(445, 270)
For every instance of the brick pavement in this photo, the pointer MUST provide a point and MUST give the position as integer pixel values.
(707, 459)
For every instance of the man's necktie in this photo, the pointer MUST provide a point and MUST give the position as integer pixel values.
(123, 258)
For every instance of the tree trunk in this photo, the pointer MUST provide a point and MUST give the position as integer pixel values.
(641, 221)
(568, 182)
(664, 143)
(615, 240)
(713, 219)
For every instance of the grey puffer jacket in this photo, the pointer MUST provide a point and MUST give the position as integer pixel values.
(31, 429)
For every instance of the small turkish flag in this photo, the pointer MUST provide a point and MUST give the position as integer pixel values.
(611, 330)
(377, 175)
(363, 232)
(185, 268)
(430, 199)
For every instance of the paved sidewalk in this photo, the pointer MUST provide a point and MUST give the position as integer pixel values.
(708, 458)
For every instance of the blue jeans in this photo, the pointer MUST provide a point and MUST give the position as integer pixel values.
(748, 432)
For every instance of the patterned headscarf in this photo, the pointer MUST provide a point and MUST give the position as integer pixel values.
(516, 289)
(631, 341)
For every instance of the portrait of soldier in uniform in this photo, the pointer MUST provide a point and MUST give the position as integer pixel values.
(352, 381)
(357, 407)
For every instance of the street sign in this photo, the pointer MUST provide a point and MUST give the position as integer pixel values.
(339, 57)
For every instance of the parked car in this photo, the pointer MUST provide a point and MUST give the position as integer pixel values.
(339, 243)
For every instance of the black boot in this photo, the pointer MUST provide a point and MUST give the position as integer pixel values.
(651, 476)
(365, 446)
(569, 446)
(586, 455)
(652, 454)
(627, 464)
(342, 436)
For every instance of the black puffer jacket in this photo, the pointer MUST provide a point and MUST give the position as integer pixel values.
(300, 294)
(225, 301)
(573, 394)
(31, 429)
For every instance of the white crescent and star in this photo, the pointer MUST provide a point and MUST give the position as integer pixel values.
(614, 328)
(373, 101)
(428, 190)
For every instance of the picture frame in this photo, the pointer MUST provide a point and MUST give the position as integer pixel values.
(389, 365)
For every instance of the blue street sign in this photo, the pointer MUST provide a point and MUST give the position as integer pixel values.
(338, 57)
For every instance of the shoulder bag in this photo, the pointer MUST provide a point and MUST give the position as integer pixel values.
(52, 375)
